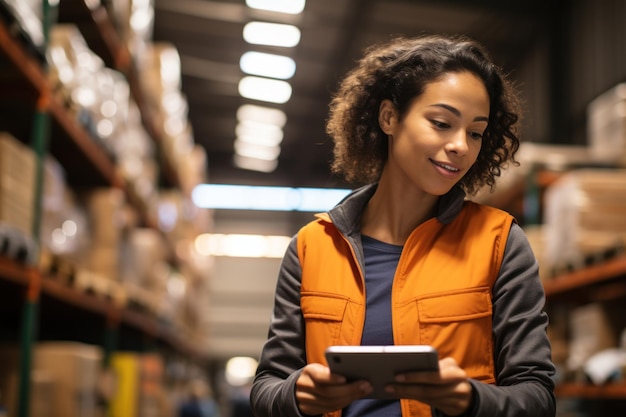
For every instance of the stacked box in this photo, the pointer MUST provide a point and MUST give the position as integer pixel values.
(75, 368)
(606, 126)
(28, 13)
(143, 258)
(9, 360)
(193, 168)
(105, 209)
(96, 95)
(180, 218)
(594, 327)
(584, 216)
(17, 183)
(536, 238)
(55, 204)
(64, 378)
(73, 69)
(135, 22)
(160, 69)
(61, 215)
(152, 398)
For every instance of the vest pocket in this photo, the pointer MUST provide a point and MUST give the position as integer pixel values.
(323, 316)
(458, 324)
(316, 306)
(460, 305)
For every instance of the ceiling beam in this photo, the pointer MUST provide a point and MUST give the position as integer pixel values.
(528, 8)
(226, 12)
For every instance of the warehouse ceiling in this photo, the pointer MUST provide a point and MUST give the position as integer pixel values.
(208, 36)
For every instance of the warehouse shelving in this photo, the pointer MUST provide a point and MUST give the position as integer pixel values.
(98, 307)
(586, 391)
(85, 162)
(71, 312)
(603, 281)
(102, 36)
(593, 279)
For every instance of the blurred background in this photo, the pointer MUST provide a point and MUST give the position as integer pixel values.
(156, 156)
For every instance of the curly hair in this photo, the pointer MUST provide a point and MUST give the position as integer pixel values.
(399, 71)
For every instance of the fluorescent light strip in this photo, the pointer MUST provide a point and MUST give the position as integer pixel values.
(246, 197)
(257, 151)
(255, 164)
(264, 89)
(271, 34)
(267, 135)
(261, 114)
(267, 65)
(239, 245)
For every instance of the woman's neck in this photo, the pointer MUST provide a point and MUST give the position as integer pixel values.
(393, 212)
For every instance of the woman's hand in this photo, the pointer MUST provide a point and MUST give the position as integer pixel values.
(319, 391)
(447, 390)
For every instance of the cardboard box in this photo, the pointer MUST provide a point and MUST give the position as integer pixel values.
(64, 379)
(584, 214)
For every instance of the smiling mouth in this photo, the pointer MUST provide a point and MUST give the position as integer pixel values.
(446, 167)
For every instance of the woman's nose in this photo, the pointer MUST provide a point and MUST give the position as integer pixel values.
(458, 143)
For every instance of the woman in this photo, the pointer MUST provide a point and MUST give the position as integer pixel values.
(406, 259)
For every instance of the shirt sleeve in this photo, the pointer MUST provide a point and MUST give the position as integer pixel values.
(283, 355)
(522, 352)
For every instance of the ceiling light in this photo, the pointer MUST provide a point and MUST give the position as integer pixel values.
(251, 112)
(259, 133)
(259, 140)
(267, 65)
(255, 164)
(257, 151)
(273, 34)
(240, 370)
(264, 89)
(281, 6)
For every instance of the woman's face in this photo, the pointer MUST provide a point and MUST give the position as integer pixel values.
(440, 136)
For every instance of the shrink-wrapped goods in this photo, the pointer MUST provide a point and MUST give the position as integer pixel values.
(584, 216)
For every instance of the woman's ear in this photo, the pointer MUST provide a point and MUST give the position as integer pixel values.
(387, 116)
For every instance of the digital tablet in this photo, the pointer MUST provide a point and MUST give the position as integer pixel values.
(380, 364)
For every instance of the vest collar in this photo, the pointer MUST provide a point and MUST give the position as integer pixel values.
(450, 205)
(346, 215)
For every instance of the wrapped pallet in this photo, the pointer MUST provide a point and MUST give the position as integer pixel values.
(106, 213)
(17, 182)
(606, 126)
(584, 216)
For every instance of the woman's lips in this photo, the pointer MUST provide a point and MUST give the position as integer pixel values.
(446, 169)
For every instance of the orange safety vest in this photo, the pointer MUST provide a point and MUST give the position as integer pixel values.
(441, 294)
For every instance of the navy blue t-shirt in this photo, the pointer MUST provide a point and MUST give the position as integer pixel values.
(381, 261)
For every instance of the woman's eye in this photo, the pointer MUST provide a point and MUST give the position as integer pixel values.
(440, 125)
(476, 135)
